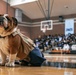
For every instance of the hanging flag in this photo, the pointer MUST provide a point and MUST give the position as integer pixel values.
(69, 26)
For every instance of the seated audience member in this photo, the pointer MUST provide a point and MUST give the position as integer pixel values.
(41, 47)
(73, 47)
(60, 44)
(66, 46)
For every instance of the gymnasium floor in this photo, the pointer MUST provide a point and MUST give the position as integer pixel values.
(36, 71)
(43, 70)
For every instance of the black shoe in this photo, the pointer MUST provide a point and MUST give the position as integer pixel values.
(24, 63)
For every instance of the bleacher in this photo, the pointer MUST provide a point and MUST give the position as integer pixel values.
(57, 44)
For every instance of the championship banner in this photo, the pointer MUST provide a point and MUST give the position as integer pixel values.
(69, 26)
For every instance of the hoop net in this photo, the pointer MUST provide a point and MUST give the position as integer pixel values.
(44, 30)
(46, 25)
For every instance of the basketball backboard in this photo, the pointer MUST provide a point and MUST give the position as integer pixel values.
(46, 25)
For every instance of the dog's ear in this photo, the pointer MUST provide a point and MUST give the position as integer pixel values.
(15, 22)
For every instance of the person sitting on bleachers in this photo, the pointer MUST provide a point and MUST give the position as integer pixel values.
(66, 46)
(73, 47)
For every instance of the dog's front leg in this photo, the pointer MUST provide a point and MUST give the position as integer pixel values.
(3, 59)
(11, 62)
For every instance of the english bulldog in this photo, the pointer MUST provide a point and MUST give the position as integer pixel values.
(12, 42)
(15, 45)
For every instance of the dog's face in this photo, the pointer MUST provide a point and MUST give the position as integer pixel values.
(7, 23)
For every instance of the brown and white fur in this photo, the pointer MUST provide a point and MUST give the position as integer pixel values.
(13, 44)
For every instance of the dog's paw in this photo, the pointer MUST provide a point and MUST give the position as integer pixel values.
(10, 64)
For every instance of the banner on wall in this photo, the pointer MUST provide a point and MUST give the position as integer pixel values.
(69, 26)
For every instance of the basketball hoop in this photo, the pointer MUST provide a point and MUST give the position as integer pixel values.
(46, 25)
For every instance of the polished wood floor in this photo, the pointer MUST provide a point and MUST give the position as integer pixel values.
(61, 57)
(36, 71)
(41, 70)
